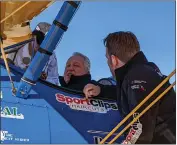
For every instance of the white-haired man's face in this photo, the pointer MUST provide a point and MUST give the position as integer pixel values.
(75, 66)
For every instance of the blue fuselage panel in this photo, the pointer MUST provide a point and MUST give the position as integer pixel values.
(51, 115)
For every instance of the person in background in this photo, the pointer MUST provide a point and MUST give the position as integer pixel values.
(50, 70)
(25, 54)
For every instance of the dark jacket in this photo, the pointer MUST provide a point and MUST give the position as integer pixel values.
(107, 91)
(76, 82)
(135, 80)
(108, 88)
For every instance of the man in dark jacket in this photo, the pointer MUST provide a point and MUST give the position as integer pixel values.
(136, 78)
(77, 72)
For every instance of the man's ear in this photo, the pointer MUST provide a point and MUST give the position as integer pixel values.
(115, 61)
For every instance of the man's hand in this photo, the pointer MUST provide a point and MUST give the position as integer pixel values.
(91, 90)
(67, 78)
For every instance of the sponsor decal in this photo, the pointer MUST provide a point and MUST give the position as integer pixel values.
(90, 105)
(134, 133)
(6, 136)
(133, 87)
(138, 84)
(11, 112)
(98, 139)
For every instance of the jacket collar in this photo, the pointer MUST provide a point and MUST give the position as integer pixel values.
(138, 58)
(75, 80)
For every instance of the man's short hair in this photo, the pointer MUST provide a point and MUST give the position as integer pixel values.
(86, 60)
(124, 45)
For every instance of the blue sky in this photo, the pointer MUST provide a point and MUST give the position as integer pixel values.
(152, 22)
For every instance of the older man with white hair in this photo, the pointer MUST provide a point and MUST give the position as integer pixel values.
(77, 72)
